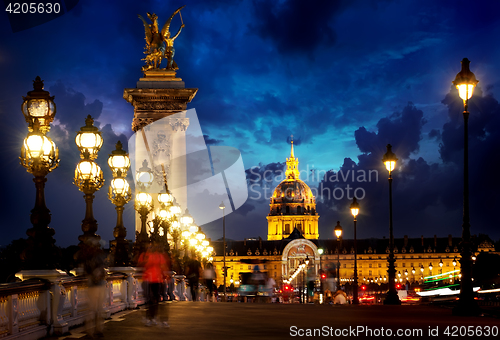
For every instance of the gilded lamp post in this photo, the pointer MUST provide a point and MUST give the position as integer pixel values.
(39, 155)
(465, 82)
(392, 298)
(88, 175)
(143, 205)
(119, 194)
(355, 211)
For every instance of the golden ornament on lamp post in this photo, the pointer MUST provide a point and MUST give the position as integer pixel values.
(119, 194)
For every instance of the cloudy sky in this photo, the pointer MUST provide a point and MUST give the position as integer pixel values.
(344, 77)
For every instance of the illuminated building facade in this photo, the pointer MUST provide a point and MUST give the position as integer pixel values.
(293, 238)
(292, 206)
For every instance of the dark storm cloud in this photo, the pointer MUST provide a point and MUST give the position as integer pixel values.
(295, 25)
(264, 175)
(402, 130)
(212, 141)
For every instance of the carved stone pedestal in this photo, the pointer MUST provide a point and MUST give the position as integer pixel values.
(158, 94)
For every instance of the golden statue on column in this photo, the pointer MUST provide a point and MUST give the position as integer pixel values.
(159, 45)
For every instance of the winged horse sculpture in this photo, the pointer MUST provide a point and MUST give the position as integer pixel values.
(159, 45)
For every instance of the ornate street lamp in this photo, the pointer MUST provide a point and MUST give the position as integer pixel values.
(338, 233)
(88, 179)
(223, 207)
(392, 298)
(39, 155)
(39, 105)
(355, 211)
(143, 205)
(465, 82)
(119, 194)
(441, 266)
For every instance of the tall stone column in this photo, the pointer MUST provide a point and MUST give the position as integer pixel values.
(158, 95)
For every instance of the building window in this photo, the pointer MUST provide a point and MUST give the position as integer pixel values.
(274, 266)
(287, 228)
(369, 273)
(287, 210)
(370, 265)
(299, 210)
(250, 267)
(345, 266)
(380, 265)
(404, 264)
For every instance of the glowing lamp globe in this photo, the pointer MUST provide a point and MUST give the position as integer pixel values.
(354, 207)
(39, 105)
(89, 138)
(338, 229)
(465, 81)
(119, 160)
(389, 159)
(120, 186)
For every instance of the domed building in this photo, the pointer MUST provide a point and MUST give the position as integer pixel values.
(292, 206)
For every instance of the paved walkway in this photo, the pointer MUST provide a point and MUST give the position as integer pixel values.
(190, 320)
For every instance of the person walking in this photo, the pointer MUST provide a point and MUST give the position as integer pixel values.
(209, 276)
(155, 271)
(194, 277)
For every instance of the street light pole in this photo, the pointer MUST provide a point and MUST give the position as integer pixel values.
(355, 211)
(465, 81)
(338, 233)
(223, 207)
(392, 298)
(39, 155)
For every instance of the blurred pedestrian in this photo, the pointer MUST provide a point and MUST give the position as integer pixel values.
(209, 276)
(193, 275)
(155, 271)
(93, 260)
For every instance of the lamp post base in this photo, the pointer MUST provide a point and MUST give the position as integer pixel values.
(392, 298)
(466, 308)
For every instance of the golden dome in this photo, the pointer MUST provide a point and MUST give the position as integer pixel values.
(293, 190)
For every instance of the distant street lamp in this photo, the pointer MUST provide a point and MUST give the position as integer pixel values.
(392, 298)
(88, 175)
(441, 266)
(413, 272)
(338, 233)
(430, 269)
(465, 82)
(119, 194)
(355, 211)
(223, 207)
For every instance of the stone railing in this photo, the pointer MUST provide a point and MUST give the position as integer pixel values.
(36, 307)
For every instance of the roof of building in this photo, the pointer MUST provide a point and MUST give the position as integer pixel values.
(259, 247)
